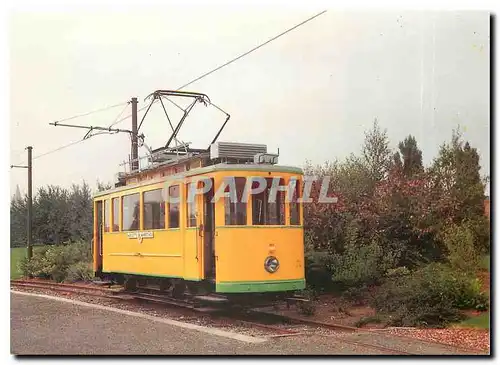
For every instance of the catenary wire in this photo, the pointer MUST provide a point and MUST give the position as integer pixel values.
(185, 85)
(252, 50)
(92, 112)
(76, 142)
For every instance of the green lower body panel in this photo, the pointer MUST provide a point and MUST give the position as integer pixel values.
(259, 286)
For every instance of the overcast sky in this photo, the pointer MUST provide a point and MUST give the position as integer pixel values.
(312, 93)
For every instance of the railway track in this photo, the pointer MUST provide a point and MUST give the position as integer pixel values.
(68, 288)
(265, 321)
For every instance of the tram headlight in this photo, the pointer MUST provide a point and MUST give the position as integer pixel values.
(271, 264)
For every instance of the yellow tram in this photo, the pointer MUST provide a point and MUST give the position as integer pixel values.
(178, 224)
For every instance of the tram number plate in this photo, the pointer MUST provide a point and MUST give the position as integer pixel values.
(148, 234)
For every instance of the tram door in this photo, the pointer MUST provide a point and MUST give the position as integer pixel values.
(98, 253)
(208, 228)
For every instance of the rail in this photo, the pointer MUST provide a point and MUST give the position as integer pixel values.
(253, 318)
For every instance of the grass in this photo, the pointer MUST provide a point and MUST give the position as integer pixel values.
(481, 321)
(16, 255)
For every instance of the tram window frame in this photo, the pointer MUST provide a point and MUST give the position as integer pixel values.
(174, 214)
(115, 206)
(136, 215)
(107, 214)
(262, 206)
(148, 204)
(295, 205)
(235, 213)
(191, 211)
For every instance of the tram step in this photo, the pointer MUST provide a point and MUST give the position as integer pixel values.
(208, 298)
(102, 283)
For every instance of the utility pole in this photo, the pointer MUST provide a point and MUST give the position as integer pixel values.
(30, 200)
(134, 165)
(134, 148)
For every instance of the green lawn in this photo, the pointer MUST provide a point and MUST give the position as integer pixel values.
(481, 321)
(16, 255)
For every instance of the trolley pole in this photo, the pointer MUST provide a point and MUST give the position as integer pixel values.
(30, 201)
(134, 165)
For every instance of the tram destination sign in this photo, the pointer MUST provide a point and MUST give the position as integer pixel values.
(146, 234)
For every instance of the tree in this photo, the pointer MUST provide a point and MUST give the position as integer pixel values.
(80, 212)
(50, 215)
(59, 215)
(18, 221)
(377, 155)
(17, 195)
(103, 186)
(409, 158)
(457, 180)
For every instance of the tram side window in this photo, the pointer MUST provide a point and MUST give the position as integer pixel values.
(191, 206)
(295, 206)
(154, 209)
(265, 212)
(235, 209)
(106, 215)
(130, 215)
(116, 210)
(173, 206)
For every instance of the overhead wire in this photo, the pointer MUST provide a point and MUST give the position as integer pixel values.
(119, 115)
(128, 116)
(59, 148)
(92, 112)
(252, 50)
(241, 56)
(183, 86)
(80, 140)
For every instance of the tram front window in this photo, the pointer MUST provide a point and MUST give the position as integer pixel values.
(265, 212)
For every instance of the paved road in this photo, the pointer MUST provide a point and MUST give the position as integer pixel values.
(45, 326)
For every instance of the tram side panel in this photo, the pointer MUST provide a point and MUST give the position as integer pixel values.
(160, 255)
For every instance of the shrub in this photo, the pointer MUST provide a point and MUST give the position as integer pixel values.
(355, 295)
(54, 262)
(398, 272)
(367, 320)
(318, 270)
(80, 271)
(33, 267)
(308, 308)
(460, 243)
(359, 265)
(430, 296)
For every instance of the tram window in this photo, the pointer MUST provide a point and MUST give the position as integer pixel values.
(154, 209)
(106, 215)
(265, 212)
(294, 206)
(130, 215)
(173, 207)
(236, 210)
(191, 206)
(277, 210)
(116, 210)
